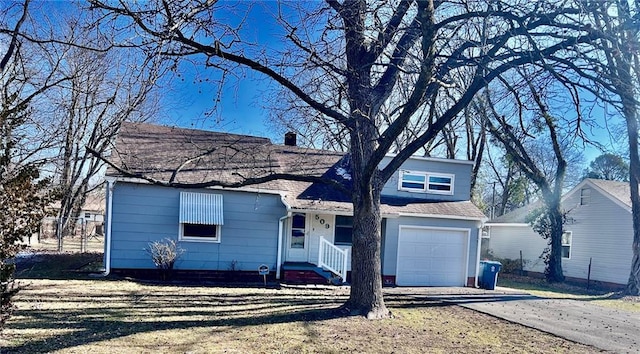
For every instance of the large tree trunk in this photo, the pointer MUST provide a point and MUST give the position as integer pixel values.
(633, 285)
(553, 272)
(366, 273)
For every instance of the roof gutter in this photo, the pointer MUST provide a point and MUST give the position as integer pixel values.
(454, 217)
(478, 254)
(505, 224)
(341, 213)
(239, 189)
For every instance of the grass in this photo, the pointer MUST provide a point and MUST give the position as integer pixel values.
(64, 311)
(598, 296)
(103, 316)
(54, 265)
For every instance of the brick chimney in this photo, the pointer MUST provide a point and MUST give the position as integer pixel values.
(290, 139)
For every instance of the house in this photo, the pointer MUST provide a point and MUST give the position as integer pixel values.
(300, 230)
(597, 240)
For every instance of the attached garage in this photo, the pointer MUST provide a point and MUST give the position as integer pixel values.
(432, 256)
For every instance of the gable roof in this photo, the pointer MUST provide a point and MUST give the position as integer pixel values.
(199, 156)
(618, 192)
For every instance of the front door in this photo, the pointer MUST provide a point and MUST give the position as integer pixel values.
(298, 244)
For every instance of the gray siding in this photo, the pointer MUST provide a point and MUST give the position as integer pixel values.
(601, 231)
(508, 241)
(144, 213)
(461, 171)
(392, 229)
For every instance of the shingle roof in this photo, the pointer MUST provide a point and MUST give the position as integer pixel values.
(199, 156)
(158, 151)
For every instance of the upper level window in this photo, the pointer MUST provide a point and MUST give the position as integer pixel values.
(566, 244)
(344, 230)
(413, 181)
(200, 217)
(585, 196)
(439, 183)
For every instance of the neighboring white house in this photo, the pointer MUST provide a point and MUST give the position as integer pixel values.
(598, 231)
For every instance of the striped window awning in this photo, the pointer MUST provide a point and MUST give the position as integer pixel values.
(201, 208)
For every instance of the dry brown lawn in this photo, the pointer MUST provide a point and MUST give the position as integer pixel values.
(109, 316)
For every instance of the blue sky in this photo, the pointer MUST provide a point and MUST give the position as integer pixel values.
(241, 108)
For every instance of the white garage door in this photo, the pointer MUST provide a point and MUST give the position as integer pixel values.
(432, 257)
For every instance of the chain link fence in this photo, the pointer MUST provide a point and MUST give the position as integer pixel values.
(78, 235)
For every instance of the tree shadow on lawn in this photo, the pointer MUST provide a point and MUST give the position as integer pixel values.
(103, 314)
(88, 318)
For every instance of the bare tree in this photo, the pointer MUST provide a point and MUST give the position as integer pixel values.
(105, 89)
(23, 192)
(525, 138)
(90, 87)
(612, 67)
(353, 58)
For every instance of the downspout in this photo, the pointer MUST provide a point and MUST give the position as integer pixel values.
(107, 234)
(281, 235)
(478, 246)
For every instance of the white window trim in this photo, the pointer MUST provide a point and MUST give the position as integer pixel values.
(585, 196)
(426, 189)
(201, 208)
(216, 239)
(401, 179)
(570, 244)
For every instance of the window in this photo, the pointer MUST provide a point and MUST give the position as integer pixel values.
(437, 183)
(198, 230)
(585, 196)
(200, 217)
(298, 227)
(87, 215)
(566, 244)
(411, 181)
(440, 183)
(344, 230)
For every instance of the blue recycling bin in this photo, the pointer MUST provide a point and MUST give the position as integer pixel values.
(489, 274)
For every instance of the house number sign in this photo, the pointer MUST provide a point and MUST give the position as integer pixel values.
(322, 222)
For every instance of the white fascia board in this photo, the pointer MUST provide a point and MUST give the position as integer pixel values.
(588, 182)
(508, 224)
(435, 159)
(440, 216)
(248, 190)
(340, 213)
(608, 195)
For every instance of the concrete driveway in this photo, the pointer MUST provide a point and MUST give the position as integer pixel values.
(579, 321)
